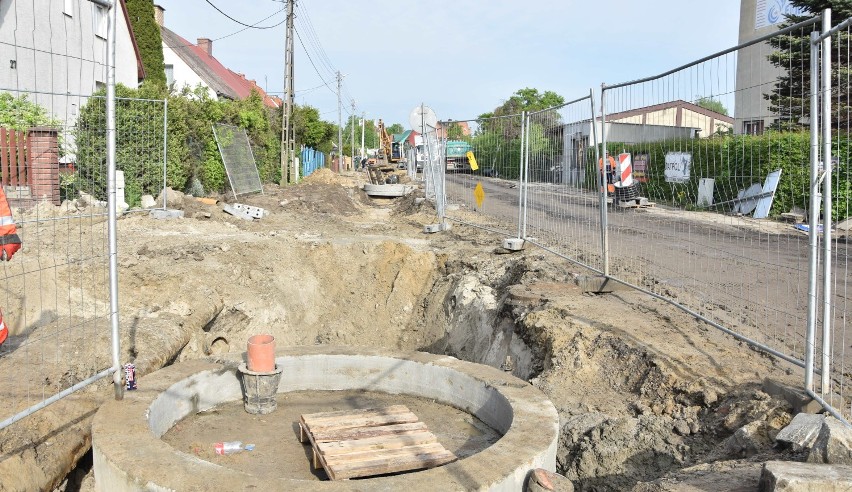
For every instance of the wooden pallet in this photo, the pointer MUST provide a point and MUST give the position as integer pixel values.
(373, 441)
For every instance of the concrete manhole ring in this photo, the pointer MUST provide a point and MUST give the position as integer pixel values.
(129, 454)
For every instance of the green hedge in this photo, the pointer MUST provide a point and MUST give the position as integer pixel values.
(738, 161)
(193, 157)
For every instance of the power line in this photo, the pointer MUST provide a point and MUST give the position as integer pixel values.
(252, 26)
(299, 37)
(236, 32)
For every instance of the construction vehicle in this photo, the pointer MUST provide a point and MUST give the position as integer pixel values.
(390, 151)
(381, 171)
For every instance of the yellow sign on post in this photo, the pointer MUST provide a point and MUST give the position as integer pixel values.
(472, 161)
(479, 194)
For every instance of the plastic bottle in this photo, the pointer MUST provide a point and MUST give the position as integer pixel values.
(229, 447)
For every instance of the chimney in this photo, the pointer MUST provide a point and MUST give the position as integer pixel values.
(159, 14)
(206, 44)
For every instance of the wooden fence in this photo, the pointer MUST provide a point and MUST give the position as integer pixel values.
(29, 165)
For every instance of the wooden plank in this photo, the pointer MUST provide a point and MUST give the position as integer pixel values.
(395, 465)
(367, 432)
(370, 421)
(13, 158)
(315, 418)
(22, 171)
(377, 443)
(342, 461)
(4, 157)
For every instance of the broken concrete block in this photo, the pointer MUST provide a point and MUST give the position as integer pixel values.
(798, 399)
(833, 445)
(801, 432)
(792, 476)
(255, 212)
(166, 214)
(228, 209)
(147, 201)
(174, 198)
(746, 441)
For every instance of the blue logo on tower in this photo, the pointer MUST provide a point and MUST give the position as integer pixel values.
(772, 12)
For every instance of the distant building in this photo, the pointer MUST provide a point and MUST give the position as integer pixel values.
(54, 51)
(756, 76)
(442, 132)
(192, 65)
(673, 120)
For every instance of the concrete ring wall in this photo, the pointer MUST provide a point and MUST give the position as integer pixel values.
(130, 456)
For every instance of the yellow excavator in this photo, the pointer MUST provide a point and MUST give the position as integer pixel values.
(385, 159)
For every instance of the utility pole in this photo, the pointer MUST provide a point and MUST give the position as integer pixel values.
(339, 124)
(363, 124)
(288, 130)
(353, 134)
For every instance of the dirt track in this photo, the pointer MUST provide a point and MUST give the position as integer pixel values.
(642, 389)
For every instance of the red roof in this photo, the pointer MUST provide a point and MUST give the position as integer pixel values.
(221, 79)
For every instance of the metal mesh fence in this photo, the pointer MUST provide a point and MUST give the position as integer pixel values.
(238, 158)
(562, 204)
(709, 177)
(55, 291)
(833, 342)
(482, 159)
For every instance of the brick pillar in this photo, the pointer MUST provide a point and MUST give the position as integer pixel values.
(44, 164)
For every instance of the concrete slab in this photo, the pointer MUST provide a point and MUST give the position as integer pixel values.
(228, 209)
(255, 212)
(791, 476)
(514, 244)
(833, 445)
(388, 190)
(166, 214)
(798, 399)
(599, 284)
(802, 431)
(433, 228)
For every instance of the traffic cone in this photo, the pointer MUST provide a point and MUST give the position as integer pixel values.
(4, 332)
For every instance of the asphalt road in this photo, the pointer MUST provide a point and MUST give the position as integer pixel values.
(748, 275)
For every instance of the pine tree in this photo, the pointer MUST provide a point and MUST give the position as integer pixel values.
(789, 99)
(147, 33)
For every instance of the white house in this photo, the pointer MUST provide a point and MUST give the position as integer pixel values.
(193, 65)
(54, 52)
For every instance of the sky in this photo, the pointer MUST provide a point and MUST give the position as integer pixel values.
(462, 58)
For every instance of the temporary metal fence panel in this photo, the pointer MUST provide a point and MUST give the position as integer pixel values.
(141, 132)
(58, 293)
(685, 178)
(235, 148)
(482, 161)
(562, 202)
(832, 341)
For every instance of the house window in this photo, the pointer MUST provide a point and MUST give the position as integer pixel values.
(100, 21)
(754, 127)
(68, 9)
(170, 75)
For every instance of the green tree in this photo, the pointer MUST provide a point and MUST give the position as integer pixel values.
(454, 131)
(311, 131)
(19, 113)
(526, 100)
(712, 105)
(147, 34)
(789, 98)
(394, 129)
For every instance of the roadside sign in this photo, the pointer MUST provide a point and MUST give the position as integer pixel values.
(472, 161)
(640, 168)
(479, 194)
(625, 170)
(678, 165)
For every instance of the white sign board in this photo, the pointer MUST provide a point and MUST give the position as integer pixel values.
(678, 165)
(705, 191)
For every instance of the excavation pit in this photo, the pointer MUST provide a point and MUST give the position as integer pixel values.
(157, 438)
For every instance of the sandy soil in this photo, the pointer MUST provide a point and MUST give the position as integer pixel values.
(648, 396)
(278, 451)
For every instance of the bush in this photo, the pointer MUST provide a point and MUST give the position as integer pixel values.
(192, 155)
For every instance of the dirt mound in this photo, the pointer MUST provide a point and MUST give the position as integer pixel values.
(323, 176)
